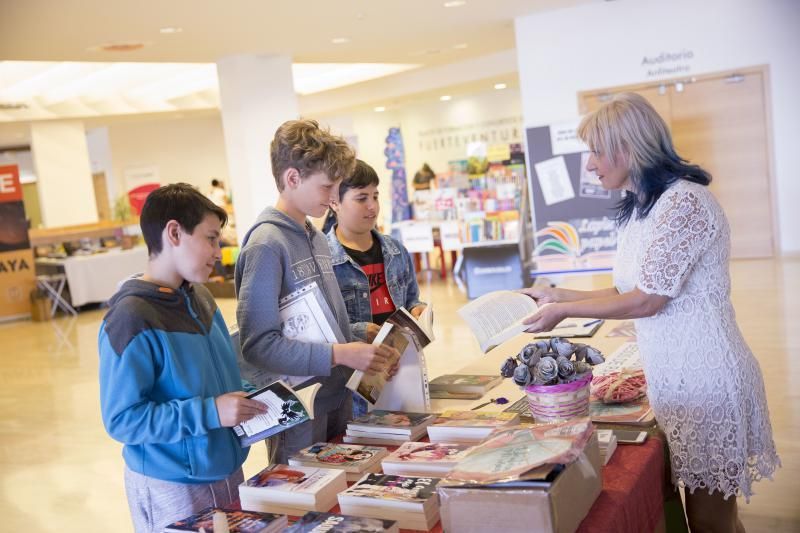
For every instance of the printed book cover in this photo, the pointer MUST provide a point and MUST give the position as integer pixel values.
(518, 453)
(464, 383)
(352, 457)
(475, 419)
(285, 478)
(429, 453)
(286, 408)
(315, 522)
(238, 521)
(392, 419)
(388, 487)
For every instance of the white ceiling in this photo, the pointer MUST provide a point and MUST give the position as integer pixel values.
(52, 62)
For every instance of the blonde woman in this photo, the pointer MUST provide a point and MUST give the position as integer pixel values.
(671, 276)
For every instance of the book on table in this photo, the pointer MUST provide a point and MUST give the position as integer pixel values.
(292, 490)
(238, 521)
(390, 425)
(286, 408)
(314, 522)
(411, 501)
(354, 459)
(468, 426)
(424, 458)
(466, 386)
(408, 388)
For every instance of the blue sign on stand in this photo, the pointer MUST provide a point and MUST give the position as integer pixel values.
(492, 267)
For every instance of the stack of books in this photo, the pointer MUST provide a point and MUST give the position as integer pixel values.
(411, 501)
(468, 426)
(424, 458)
(292, 490)
(462, 386)
(607, 442)
(354, 459)
(391, 428)
(237, 521)
(338, 523)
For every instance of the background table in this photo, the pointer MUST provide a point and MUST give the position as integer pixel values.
(95, 278)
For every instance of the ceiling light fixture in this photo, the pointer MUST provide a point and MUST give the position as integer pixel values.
(500, 86)
(380, 109)
(454, 3)
(170, 29)
(340, 40)
(445, 98)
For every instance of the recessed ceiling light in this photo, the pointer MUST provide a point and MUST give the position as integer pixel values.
(500, 86)
(445, 98)
(380, 109)
(454, 3)
(340, 40)
(460, 46)
(171, 29)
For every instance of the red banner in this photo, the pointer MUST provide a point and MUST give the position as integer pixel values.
(17, 274)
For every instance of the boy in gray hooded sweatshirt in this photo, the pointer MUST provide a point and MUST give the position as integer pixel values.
(280, 254)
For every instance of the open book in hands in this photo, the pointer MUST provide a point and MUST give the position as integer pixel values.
(421, 329)
(286, 408)
(497, 316)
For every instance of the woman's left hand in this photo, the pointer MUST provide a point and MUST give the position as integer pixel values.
(545, 319)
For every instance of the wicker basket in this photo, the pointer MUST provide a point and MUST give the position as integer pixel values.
(559, 402)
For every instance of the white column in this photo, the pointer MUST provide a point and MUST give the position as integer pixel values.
(256, 96)
(63, 172)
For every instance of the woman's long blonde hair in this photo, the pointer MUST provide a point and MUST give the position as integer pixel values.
(629, 129)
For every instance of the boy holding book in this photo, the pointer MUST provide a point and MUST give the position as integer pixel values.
(375, 272)
(169, 384)
(284, 252)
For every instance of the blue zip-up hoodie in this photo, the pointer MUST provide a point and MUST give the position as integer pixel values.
(165, 355)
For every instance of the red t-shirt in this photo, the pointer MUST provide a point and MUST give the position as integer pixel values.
(371, 262)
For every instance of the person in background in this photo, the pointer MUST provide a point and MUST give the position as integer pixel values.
(671, 276)
(282, 253)
(218, 194)
(170, 387)
(375, 272)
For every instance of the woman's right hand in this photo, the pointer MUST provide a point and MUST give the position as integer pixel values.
(543, 295)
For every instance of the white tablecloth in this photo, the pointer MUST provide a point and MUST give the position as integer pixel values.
(94, 278)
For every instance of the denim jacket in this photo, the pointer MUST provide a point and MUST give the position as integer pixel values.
(400, 279)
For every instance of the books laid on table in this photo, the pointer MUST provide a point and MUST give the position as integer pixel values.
(388, 427)
(238, 521)
(352, 458)
(424, 458)
(573, 327)
(286, 408)
(497, 316)
(607, 442)
(292, 490)
(468, 426)
(337, 523)
(466, 386)
(411, 501)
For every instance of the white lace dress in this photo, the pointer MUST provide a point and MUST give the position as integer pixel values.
(704, 384)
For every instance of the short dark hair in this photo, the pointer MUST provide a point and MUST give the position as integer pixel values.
(363, 176)
(215, 182)
(303, 145)
(180, 202)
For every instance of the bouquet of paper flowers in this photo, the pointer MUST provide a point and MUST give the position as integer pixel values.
(551, 362)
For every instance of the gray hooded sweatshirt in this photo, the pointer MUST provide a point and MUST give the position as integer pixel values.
(279, 256)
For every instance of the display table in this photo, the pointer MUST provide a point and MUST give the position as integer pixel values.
(95, 278)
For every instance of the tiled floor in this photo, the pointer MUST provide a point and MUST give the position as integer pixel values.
(61, 472)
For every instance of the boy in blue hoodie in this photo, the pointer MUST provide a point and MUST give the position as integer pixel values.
(284, 252)
(169, 384)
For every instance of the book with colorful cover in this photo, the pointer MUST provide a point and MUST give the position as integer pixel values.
(424, 458)
(288, 489)
(352, 458)
(636, 413)
(522, 453)
(314, 522)
(464, 383)
(238, 521)
(286, 408)
(392, 422)
(468, 426)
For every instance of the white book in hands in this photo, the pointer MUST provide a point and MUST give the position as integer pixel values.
(286, 408)
(497, 316)
(292, 490)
